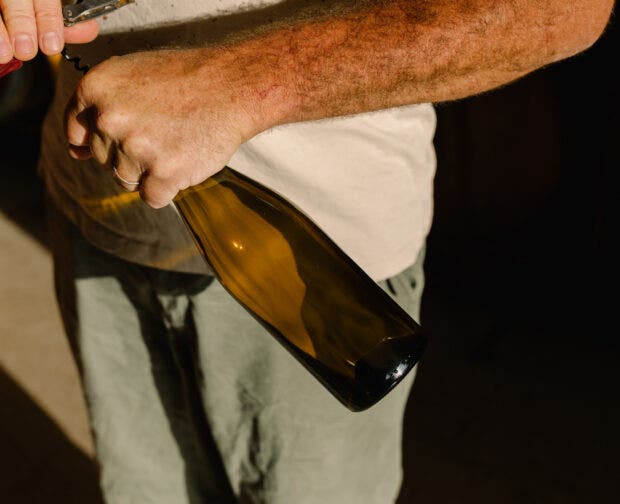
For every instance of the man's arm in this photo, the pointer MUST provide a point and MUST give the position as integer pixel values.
(390, 53)
(176, 130)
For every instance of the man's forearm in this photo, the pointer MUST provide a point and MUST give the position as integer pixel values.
(173, 130)
(382, 54)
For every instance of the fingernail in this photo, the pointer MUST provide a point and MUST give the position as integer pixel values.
(24, 45)
(51, 43)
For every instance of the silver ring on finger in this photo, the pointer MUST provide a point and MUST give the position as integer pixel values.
(122, 179)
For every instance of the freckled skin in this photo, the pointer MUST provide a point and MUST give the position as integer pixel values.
(176, 128)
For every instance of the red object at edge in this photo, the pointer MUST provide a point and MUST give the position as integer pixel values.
(9, 67)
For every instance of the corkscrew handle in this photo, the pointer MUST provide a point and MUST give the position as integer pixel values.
(90, 9)
(10, 67)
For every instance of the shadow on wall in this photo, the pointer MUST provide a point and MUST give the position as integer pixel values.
(527, 194)
(38, 464)
(515, 399)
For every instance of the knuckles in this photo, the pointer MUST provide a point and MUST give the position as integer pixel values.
(19, 17)
(82, 91)
(111, 121)
(163, 170)
(99, 81)
(49, 15)
(137, 146)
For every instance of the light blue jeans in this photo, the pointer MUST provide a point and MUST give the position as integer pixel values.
(192, 401)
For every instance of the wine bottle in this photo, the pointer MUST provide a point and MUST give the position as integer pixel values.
(313, 298)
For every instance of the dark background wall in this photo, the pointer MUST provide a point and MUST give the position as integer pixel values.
(525, 189)
(517, 397)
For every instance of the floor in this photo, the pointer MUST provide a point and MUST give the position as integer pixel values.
(507, 408)
(46, 452)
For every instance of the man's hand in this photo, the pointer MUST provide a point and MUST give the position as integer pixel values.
(29, 25)
(166, 119)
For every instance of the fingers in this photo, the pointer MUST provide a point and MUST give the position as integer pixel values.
(157, 192)
(87, 140)
(78, 130)
(6, 47)
(27, 25)
(50, 28)
(77, 127)
(154, 191)
(126, 171)
(82, 33)
(20, 23)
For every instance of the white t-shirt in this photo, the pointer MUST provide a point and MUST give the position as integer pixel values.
(365, 179)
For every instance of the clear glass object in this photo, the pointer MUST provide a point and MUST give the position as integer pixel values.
(331, 316)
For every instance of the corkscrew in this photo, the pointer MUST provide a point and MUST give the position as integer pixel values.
(83, 11)
(73, 14)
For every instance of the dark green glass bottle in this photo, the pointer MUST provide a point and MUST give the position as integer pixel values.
(330, 315)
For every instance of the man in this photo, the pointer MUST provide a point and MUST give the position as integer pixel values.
(323, 102)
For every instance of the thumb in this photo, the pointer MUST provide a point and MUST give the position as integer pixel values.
(82, 32)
